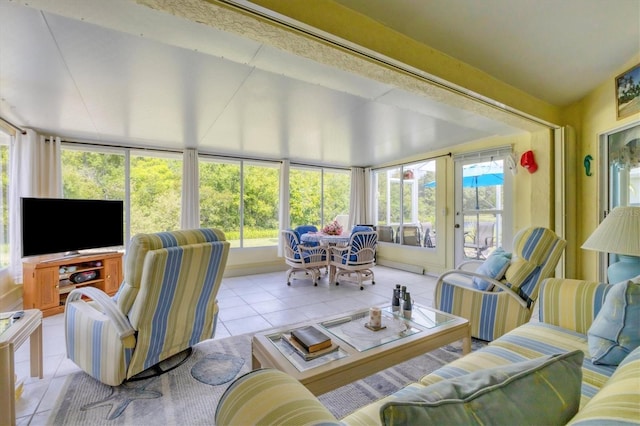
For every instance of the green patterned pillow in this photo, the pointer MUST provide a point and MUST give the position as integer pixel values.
(544, 390)
(615, 331)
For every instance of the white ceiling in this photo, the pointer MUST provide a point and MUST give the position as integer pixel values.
(120, 73)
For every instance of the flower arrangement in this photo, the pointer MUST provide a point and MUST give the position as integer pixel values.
(334, 228)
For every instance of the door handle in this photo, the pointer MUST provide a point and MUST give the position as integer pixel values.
(457, 225)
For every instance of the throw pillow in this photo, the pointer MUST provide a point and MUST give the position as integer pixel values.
(615, 331)
(544, 390)
(494, 267)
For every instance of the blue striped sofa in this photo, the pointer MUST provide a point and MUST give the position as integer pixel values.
(165, 304)
(609, 395)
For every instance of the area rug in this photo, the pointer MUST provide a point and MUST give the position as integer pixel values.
(189, 394)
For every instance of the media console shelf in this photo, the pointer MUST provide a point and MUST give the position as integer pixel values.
(47, 281)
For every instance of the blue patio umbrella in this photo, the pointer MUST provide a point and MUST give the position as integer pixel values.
(478, 175)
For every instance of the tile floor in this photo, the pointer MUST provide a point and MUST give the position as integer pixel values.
(247, 304)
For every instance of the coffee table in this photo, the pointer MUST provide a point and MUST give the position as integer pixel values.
(362, 351)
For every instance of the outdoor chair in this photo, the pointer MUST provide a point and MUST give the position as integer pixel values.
(164, 306)
(498, 295)
(385, 233)
(426, 235)
(302, 257)
(409, 235)
(481, 240)
(357, 258)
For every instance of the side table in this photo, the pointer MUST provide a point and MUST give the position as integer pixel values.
(29, 326)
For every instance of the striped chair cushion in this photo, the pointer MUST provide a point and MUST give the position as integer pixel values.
(492, 313)
(618, 402)
(166, 320)
(275, 398)
(105, 358)
(141, 244)
(583, 300)
(536, 253)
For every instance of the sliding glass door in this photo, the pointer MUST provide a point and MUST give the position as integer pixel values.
(621, 180)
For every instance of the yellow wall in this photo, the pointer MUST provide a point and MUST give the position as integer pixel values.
(349, 25)
(593, 116)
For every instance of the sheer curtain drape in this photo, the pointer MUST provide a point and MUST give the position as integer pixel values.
(359, 206)
(35, 170)
(285, 219)
(190, 216)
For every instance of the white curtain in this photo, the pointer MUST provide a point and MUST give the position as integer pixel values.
(190, 217)
(358, 203)
(369, 199)
(35, 170)
(285, 219)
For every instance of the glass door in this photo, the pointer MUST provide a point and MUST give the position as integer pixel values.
(481, 212)
(622, 151)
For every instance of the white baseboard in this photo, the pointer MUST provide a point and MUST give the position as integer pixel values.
(416, 269)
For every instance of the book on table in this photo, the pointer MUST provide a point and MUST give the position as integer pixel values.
(311, 339)
(306, 355)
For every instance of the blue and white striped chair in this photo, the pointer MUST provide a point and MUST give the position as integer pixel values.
(509, 302)
(165, 305)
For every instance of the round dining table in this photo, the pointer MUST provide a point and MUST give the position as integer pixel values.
(324, 239)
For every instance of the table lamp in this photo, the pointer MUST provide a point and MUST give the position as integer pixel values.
(619, 233)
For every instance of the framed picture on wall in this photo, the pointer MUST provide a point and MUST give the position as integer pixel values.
(628, 92)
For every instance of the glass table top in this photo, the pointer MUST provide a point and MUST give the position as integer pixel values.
(351, 329)
(425, 317)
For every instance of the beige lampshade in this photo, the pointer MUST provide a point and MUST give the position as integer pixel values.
(618, 233)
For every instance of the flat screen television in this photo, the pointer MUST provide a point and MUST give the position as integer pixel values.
(65, 226)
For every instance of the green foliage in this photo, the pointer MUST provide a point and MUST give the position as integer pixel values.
(305, 196)
(220, 196)
(308, 204)
(92, 175)
(156, 187)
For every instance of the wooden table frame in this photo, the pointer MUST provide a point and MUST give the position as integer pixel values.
(358, 365)
(29, 326)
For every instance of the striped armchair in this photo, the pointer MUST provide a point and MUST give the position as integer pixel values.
(536, 252)
(165, 304)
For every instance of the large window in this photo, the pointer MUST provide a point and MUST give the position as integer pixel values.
(4, 205)
(92, 174)
(319, 196)
(241, 198)
(155, 181)
(154, 189)
(406, 203)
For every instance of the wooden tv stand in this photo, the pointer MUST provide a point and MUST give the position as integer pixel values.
(46, 281)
